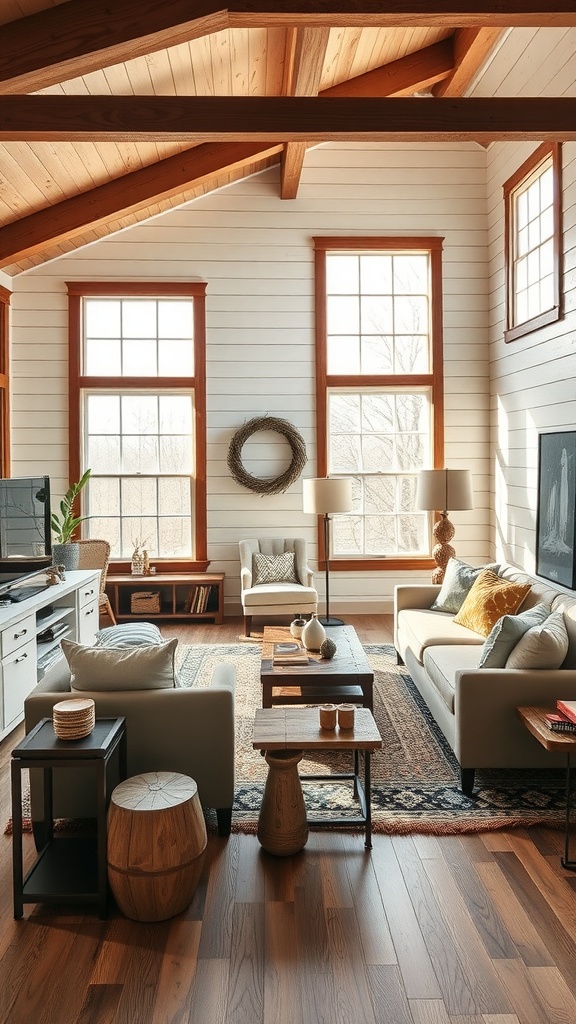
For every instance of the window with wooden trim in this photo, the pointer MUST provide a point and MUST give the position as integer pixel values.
(137, 416)
(379, 390)
(532, 204)
(4, 382)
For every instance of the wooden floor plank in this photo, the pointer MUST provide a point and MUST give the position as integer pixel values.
(335, 881)
(418, 975)
(429, 1011)
(220, 895)
(524, 994)
(483, 911)
(388, 996)
(246, 979)
(173, 996)
(210, 993)
(100, 1004)
(282, 969)
(373, 927)
(462, 981)
(353, 998)
(529, 943)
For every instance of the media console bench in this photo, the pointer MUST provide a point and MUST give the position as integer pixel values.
(30, 633)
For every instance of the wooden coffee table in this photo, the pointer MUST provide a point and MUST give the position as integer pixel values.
(284, 734)
(347, 677)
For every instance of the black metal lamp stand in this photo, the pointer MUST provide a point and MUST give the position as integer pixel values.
(327, 620)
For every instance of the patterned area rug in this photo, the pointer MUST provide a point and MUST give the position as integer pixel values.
(416, 778)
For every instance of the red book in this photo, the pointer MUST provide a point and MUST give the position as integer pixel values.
(568, 708)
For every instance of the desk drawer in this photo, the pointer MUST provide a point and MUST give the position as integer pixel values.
(88, 592)
(18, 680)
(17, 635)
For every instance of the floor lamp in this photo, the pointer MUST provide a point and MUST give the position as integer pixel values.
(326, 497)
(439, 490)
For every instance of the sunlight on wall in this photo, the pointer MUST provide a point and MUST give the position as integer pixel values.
(501, 460)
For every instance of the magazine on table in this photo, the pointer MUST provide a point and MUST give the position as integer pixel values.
(289, 653)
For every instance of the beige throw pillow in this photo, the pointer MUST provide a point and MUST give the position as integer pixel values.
(543, 646)
(121, 668)
(489, 598)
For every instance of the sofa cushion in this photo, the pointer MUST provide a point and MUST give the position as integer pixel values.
(442, 663)
(121, 668)
(422, 628)
(488, 599)
(273, 568)
(129, 634)
(543, 646)
(506, 632)
(458, 579)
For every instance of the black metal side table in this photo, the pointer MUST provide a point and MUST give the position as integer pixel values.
(67, 868)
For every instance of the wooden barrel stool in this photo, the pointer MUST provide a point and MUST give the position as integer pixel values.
(156, 837)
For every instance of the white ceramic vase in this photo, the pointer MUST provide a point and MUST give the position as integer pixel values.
(296, 627)
(313, 634)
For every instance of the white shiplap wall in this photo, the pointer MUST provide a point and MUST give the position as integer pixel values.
(533, 379)
(255, 253)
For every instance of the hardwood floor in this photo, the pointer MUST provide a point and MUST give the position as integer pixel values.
(477, 929)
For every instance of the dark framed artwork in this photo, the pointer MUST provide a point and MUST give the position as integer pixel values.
(555, 526)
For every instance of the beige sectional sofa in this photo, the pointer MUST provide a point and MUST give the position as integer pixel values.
(187, 730)
(476, 707)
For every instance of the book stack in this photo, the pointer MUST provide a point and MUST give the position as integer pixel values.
(565, 719)
(199, 598)
(289, 653)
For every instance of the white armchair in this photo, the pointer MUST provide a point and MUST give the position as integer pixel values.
(280, 596)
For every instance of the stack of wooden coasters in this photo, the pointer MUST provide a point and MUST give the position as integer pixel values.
(73, 719)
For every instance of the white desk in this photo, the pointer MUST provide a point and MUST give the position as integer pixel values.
(24, 655)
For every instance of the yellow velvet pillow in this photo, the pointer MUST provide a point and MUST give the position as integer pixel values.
(489, 598)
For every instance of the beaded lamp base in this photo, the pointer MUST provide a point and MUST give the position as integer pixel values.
(442, 551)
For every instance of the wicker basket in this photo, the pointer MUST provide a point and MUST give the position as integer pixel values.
(145, 601)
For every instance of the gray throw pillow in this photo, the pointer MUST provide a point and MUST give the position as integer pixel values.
(506, 633)
(458, 580)
(274, 568)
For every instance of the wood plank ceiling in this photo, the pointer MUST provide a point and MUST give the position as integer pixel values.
(110, 114)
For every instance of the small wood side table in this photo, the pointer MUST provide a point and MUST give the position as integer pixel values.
(535, 721)
(284, 733)
(71, 869)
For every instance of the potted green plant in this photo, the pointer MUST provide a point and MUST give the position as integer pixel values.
(65, 551)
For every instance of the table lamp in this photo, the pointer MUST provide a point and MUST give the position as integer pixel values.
(327, 496)
(439, 490)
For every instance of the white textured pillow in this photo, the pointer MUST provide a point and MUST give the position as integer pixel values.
(274, 568)
(542, 646)
(121, 668)
(506, 633)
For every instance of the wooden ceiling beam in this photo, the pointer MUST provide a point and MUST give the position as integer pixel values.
(365, 13)
(402, 77)
(194, 119)
(472, 46)
(127, 194)
(78, 37)
(309, 54)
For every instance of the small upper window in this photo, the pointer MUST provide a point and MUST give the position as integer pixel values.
(533, 249)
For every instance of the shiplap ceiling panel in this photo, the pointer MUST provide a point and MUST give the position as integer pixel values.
(252, 54)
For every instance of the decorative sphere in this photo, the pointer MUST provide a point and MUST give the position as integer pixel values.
(328, 648)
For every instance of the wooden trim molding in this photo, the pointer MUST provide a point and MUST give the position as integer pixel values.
(5, 297)
(326, 382)
(515, 330)
(78, 382)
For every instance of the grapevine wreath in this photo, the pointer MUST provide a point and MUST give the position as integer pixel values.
(277, 484)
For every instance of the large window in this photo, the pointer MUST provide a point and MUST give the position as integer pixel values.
(532, 198)
(137, 386)
(379, 390)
